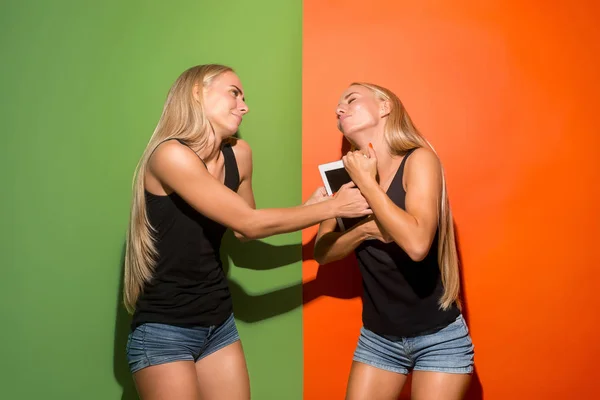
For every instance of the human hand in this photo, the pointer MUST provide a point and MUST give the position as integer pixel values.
(318, 196)
(360, 166)
(350, 203)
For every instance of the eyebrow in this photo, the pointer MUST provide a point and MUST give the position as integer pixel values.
(241, 91)
(349, 94)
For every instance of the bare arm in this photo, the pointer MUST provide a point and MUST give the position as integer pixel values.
(332, 246)
(414, 229)
(180, 170)
(243, 155)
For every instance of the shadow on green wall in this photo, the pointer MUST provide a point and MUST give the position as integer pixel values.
(261, 256)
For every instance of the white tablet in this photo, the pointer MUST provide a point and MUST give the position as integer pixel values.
(334, 175)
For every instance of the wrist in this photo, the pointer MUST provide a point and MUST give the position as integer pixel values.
(364, 234)
(363, 231)
(331, 207)
(368, 187)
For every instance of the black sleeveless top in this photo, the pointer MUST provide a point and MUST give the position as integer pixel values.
(400, 296)
(189, 287)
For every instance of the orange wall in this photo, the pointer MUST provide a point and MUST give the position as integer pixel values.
(508, 94)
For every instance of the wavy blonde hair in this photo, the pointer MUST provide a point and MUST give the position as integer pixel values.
(183, 117)
(401, 136)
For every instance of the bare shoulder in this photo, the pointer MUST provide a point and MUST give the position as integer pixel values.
(243, 155)
(173, 155)
(422, 158)
(423, 163)
(240, 147)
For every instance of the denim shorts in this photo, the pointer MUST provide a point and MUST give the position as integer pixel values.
(448, 350)
(154, 344)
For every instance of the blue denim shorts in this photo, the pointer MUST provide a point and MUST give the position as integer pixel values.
(448, 350)
(154, 344)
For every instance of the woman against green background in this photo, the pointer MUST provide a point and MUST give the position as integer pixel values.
(192, 183)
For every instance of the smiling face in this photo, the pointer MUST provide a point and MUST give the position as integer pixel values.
(361, 115)
(224, 104)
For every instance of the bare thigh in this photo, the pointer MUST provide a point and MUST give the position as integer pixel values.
(223, 375)
(370, 383)
(428, 385)
(171, 381)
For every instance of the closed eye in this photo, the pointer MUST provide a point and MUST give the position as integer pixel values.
(351, 100)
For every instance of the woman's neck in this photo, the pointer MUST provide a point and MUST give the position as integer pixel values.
(212, 150)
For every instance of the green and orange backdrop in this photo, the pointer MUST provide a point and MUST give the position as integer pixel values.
(506, 91)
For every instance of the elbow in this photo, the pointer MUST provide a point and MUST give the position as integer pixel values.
(323, 260)
(417, 256)
(246, 231)
(241, 237)
(320, 255)
(249, 233)
(250, 228)
(418, 250)
(320, 258)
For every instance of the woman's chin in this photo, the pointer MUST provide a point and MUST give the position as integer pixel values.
(230, 132)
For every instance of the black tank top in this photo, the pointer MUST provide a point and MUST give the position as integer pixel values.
(189, 287)
(400, 296)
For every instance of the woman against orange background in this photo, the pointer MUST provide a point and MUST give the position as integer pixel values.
(406, 253)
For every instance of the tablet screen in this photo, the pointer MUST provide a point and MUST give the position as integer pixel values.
(334, 175)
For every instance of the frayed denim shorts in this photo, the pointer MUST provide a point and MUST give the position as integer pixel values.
(154, 344)
(448, 350)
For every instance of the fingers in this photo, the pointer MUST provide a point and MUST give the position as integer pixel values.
(371, 151)
(350, 156)
(321, 191)
(348, 185)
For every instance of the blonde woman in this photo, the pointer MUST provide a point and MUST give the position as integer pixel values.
(192, 183)
(406, 253)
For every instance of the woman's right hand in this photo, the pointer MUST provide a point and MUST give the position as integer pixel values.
(318, 196)
(350, 203)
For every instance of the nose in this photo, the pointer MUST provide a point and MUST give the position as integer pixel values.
(340, 110)
(243, 107)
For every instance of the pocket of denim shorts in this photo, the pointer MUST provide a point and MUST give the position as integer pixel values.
(457, 325)
(463, 323)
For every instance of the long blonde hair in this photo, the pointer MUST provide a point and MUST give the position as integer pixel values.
(402, 135)
(182, 118)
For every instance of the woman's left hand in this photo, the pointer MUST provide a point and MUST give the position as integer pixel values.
(361, 167)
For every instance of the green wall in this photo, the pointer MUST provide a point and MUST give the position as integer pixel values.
(83, 84)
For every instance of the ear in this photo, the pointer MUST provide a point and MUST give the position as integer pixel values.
(196, 92)
(384, 109)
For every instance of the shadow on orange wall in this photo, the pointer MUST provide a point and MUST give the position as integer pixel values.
(507, 92)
